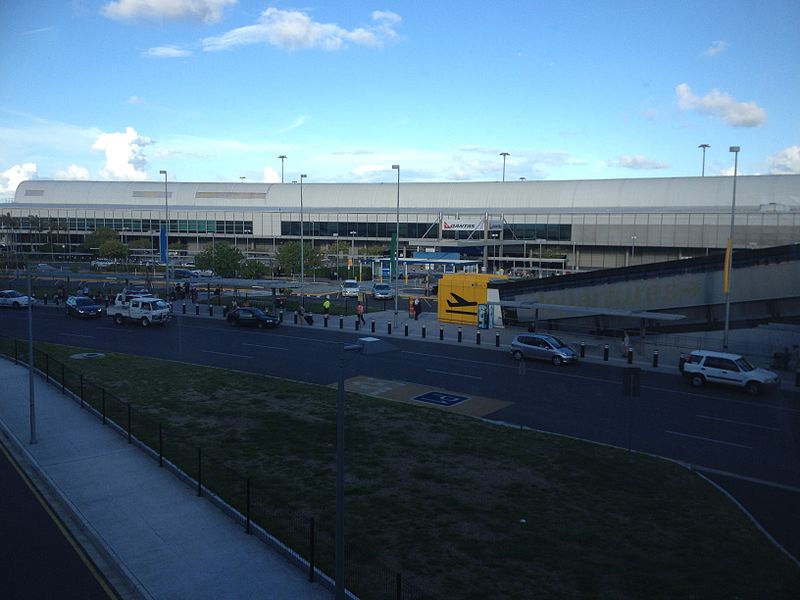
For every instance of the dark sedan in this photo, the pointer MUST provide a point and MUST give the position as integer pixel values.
(83, 306)
(254, 317)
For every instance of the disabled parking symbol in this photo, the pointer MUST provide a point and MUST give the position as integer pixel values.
(441, 398)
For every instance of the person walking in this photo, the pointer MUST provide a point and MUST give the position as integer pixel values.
(326, 307)
(417, 309)
(360, 310)
(626, 344)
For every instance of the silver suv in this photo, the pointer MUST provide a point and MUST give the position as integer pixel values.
(703, 366)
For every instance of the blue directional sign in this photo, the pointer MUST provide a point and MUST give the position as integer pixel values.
(441, 398)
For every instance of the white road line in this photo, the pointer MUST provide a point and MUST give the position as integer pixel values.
(226, 354)
(737, 422)
(263, 346)
(91, 337)
(705, 439)
(453, 374)
(780, 486)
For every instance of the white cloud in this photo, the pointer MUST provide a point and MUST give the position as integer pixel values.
(271, 175)
(125, 158)
(717, 47)
(722, 105)
(637, 161)
(205, 11)
(296, 30)
(298, 122)
(135, 100)
(166, 52)
(785, 162)
(73, 172)
(11, 178)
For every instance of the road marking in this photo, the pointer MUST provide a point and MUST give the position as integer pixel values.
(91, 337)
(705, 439)
(453, 374)
(263, 346)
(737, 422)
(774, 484)
(226, 354)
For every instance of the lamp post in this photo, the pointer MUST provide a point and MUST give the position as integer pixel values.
(166, 232)
(633, 245)
(397, 246)
(504, 154)
(336, 237)
(242, 178)
(283, 158)
(540, 242)
(352, 251)
(302, 245)
(704, 147)
(726, 285)
(494, 238)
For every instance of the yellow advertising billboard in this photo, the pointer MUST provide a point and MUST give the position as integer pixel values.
(460, 294)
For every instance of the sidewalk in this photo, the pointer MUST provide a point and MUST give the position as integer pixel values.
(149, 532)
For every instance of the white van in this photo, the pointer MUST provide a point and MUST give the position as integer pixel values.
(350, 288)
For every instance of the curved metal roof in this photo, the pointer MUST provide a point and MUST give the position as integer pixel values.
(776, 192)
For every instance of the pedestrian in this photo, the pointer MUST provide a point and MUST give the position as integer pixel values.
(360, 310)
(326, 306)
(626, 344)
(417, 309)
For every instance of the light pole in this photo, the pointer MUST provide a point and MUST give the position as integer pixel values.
(494, 238)
(166, 233)
(353, 251)
(726, 280)
(397, 246)
(704, 148)
(302, 244)
(633, 245)
(283, 158)
(504, 154)
(540, 241)
(242, 178)
(336, 237)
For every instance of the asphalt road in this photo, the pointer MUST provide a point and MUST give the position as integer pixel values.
(751, 445)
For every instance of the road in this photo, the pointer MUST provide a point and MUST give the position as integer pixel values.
(750, 446)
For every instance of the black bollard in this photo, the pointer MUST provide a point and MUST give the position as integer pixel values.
(210, 310)
(423, 332)
(358, 324)
(373, 326)
(325, 319)
(295, 318)
(389, 327)
(605, 352)
(405, 330)
(441, 333)
(630, 356)
(197, 310)
(280, 315)
(496, 339)
(478, 338)
(655, 358)
(341, 322)
(184, 308)
(681, 362)
(459, 335)
(583, 349)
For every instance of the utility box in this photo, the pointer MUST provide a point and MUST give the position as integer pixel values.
(460, 294)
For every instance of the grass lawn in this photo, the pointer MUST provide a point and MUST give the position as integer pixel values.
(462, 508)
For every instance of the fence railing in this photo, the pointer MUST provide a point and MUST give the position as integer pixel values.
(302, 538)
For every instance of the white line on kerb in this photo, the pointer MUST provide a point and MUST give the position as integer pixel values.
(453, 374)
(736, 422)
(705, 439)
(263, 346)
(226, 354)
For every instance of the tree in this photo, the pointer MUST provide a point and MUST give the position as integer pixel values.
(113, 249)
(289, 257)
(252, 269)
(222, 258)
(95, 239)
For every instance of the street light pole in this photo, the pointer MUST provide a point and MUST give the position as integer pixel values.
(353, 252)
(704, 147)
(633, 245)
(726, 285)
(504, 154)
(336, 237)
(397, 247)
(283, 158)
(302, 245)
(166, 232)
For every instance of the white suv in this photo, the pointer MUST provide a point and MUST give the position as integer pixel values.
(731, 369)
(350, 288)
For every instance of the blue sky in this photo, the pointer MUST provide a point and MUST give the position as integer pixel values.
(216, 90)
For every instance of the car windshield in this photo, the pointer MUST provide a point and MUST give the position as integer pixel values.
(84, 302)
(744, 365)
(258, 312)
(383, 287)
(556, 342)
(14, 295)
(158, 304)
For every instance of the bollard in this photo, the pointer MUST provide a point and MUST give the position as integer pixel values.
(681, 362)
(459, 335)
(210, 310)
(341, 322)
(325, 320)
(583, 349)
(45, 299)
(496, 339)
(295, 318)
(405, 330)
(373, 325)
(478, 338)
(630, 355)
(184, 308)
(197, 310)
(280, 315)
(655, 358)
(441, 333)
(389, 327)
(423, 332)
(605, 352)
(358, 324)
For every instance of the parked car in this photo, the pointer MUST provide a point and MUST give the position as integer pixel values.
(203, 273)
(83, 306)
(382, 291)
(350, 288)
(45, 268)
(102, 263)
(253, 317)
(543, 347)
(14, 299)
(183, 274)
(706, 366)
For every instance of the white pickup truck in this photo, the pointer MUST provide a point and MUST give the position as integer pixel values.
(146, 310)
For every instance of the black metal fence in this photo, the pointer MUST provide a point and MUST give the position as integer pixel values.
(302, 538)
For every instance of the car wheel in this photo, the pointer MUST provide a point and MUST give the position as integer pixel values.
(557, 360)
(517, 355)
(118, 319)
(698, 380)
(753, 388)
(16, 305)
(145, 322)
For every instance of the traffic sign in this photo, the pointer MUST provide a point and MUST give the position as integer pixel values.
(441, 398)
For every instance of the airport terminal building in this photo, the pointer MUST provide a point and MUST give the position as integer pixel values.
(513, 226)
